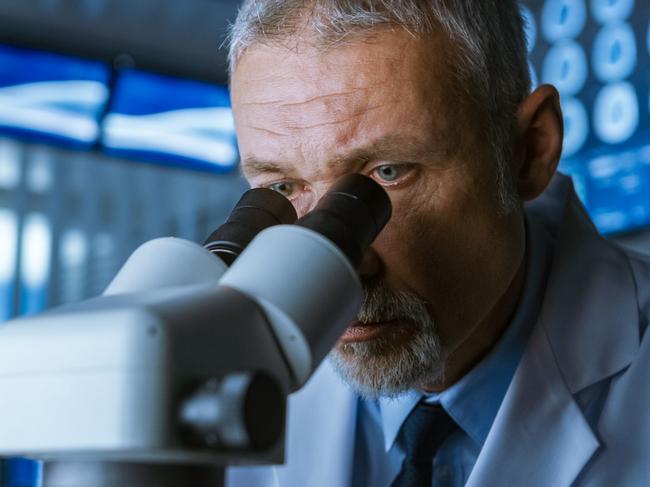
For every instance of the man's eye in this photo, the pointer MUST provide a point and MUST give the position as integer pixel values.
(388, 173)
(283, 187)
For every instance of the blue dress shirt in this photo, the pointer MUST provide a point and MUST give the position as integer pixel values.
(473, 402)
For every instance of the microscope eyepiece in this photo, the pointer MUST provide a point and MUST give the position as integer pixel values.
(351, 214)
(305, 277)
(257, 210)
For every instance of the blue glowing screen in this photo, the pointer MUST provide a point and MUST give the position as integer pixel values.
(171, 120)
(597, 53)
(51, 97)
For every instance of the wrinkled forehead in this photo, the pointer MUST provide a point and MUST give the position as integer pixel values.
(302, 97)
(267, 71)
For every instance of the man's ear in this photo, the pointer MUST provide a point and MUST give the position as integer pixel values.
(538, 145)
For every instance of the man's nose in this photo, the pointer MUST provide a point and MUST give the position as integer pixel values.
(370, 266)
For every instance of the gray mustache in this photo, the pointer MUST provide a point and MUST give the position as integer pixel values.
(381, 303)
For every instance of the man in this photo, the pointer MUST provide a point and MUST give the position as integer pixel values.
(501, 339)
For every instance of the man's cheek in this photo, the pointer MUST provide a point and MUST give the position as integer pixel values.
(390, 244)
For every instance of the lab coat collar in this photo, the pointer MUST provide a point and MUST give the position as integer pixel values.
(587, 331)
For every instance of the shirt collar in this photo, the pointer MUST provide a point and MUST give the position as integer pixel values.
(474, 401)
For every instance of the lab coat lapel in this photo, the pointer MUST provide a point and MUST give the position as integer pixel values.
(591, 310)
(320, 436)
(587, 331)
(539, 437)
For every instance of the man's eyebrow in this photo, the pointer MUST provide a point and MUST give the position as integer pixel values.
(251, 166)
(391, 147)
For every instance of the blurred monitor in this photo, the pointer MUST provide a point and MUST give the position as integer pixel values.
(51, 97)
(597, 53)
(171, 121)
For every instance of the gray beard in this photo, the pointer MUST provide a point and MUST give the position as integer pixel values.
(407, 357)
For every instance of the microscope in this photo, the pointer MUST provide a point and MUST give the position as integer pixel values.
(184, 364)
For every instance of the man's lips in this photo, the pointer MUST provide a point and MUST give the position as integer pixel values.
(362, 332)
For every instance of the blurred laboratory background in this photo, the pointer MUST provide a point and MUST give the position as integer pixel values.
(115, 127)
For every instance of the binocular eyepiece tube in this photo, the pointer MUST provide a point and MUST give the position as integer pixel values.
(258, 209)
(351, 214)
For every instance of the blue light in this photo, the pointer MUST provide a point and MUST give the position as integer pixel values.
(611, 10)
(530, 26)
(10, 162)
(576, 126)
(52, 97)
(578, 173)
(40, 175)
(617, 191)
(73, 257)
(35, 261)
(563, 19)
(565, 66)
(21, 472)
(73, 248)
(8, 252)
(614, 54)
(534, 79)
(171, 121)
(616, 113)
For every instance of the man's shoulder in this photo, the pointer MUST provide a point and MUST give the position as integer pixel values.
(640, 267)
(562, 214)
(597, 299)
(621, 419)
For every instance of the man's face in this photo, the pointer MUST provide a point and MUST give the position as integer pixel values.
(388, 107)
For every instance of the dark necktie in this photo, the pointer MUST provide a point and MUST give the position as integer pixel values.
(424, 430)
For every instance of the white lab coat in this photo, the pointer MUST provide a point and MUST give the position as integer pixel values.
(577, 411)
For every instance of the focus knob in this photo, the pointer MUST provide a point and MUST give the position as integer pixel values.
(236, 411)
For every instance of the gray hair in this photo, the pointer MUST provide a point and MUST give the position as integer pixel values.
(488, 36)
